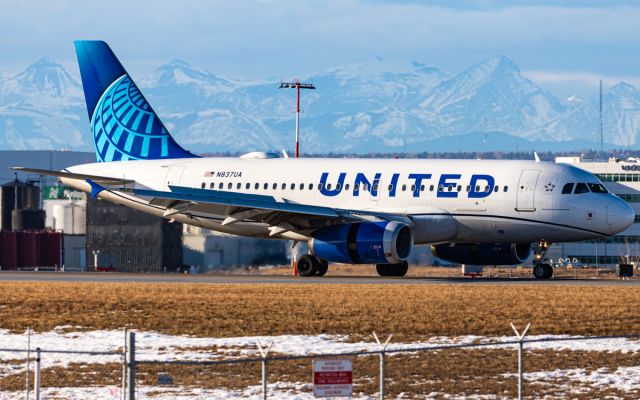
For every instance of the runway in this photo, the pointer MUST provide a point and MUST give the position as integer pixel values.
(248, 279)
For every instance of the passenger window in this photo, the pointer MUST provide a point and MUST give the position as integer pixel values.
(365, 186)
(256, 186)
(247, 186)
(212, 185)
(328, 186)
(266, 186)
(338, 186)
(220, 185)
(275, 186)
(496, 188)
(431, 188)
(413, 188)
(302, 186)
(404, 188)
(390, 187)
(203, 185)
(346, 187)
(581, 188)
(229, 185)
(506, 189)
(468, 188)
(319, 186)
(567, 189)
(422, 188)
(293, 186)
(311, 186)
(239, 185)
(459, 188)
(375, 187)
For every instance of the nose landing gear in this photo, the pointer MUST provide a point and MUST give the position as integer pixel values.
(540, 269)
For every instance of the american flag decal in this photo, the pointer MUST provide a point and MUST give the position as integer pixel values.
(208, 174)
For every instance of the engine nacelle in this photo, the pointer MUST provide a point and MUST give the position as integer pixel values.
(363, 243)
(483, 254)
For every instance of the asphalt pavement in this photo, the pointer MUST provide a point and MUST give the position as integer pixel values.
(252, 279)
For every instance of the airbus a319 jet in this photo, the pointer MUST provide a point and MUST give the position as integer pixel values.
(354, 211)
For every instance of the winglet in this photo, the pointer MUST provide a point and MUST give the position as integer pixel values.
(535, 156)
(95, 188)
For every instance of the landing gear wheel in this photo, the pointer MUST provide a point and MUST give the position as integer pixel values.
(322, 268)
(307, 265)
(399, 269)
(542, 271)
(548, 271)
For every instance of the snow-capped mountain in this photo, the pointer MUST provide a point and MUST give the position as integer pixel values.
(42, 107)
(379, 105)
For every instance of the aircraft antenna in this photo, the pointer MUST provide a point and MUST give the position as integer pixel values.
(297, 85)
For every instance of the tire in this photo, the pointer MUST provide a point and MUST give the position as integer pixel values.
(542, 271)
(322, 267)
(548, 271)
(399, 269)
(307, 265)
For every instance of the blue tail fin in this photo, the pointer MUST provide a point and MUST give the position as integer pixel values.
(123, 124)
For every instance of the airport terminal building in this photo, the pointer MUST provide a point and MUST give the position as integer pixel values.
(622, 178)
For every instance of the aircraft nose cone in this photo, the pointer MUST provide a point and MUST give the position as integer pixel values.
(620, 216)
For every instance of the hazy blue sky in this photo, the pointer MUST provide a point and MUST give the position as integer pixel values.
(563, 45)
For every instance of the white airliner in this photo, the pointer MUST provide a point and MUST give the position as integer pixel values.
(358, 211)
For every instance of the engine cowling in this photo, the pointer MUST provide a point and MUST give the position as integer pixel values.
(483, 254)
(363, 243)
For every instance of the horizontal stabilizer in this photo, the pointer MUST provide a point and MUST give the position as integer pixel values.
(102, 180)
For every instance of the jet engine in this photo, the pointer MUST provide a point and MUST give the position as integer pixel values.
(363, 243)
(483, 254)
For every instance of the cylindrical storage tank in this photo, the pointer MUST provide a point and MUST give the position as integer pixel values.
(58, 216)
(63, 215)
(27, 247)
(8, 250)
(28, 196)
(79, 218)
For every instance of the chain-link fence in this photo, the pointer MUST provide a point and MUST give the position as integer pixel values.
(513, 367)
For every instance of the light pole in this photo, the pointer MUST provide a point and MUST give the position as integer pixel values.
(297, 85)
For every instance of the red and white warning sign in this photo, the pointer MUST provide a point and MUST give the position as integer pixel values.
(332, 378)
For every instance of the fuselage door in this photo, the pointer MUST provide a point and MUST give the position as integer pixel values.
(174, 174)
(526, 190)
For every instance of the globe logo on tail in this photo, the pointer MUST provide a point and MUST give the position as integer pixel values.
(125, 127)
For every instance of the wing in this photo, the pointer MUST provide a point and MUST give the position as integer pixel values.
(280, 214)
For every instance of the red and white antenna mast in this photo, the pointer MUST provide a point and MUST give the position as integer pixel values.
(297, 85)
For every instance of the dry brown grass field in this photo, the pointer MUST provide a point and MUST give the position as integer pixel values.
(410, 312)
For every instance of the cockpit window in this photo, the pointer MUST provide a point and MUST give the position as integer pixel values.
(581, 188)
(597, 188)
(567, 189)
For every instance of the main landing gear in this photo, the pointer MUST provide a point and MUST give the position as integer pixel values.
(309, 265)
(399, 269)
(540, 269)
